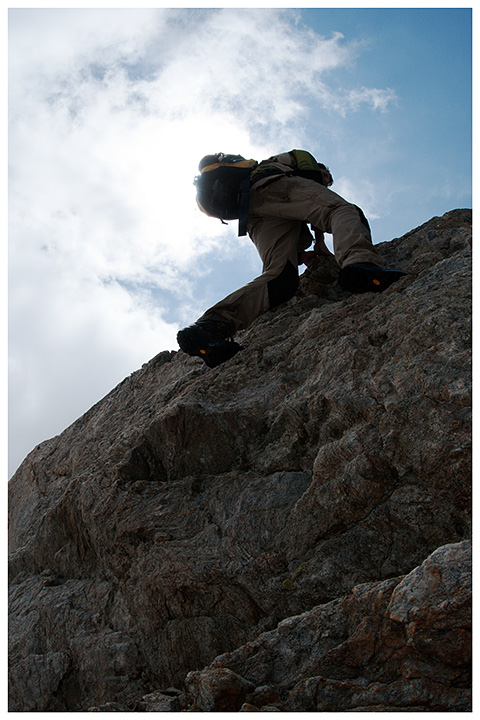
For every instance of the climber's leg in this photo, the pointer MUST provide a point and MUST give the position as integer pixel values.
(277, 242)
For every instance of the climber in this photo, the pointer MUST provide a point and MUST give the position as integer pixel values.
(274, 200)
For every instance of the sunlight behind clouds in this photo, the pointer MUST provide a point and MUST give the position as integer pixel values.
(110, 112)
(111, 141)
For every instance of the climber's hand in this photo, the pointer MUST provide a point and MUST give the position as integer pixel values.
(319, 247)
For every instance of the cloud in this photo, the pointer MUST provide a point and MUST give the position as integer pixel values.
(378, 99)
(110, 111)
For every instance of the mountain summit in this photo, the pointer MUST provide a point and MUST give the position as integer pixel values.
(289, 531)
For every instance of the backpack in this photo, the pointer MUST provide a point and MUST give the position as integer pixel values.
(224, 182)
(295, 162)
(223, 187)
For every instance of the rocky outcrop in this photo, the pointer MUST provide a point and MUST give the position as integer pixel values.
(287, 531)
(396, 645)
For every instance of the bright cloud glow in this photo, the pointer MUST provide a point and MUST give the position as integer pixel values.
(110, 112)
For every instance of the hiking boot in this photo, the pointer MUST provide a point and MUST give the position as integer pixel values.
(208, 340)
(367, 277)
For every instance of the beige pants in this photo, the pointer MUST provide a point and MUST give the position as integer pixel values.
(276, 224)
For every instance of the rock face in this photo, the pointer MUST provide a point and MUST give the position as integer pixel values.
(286, 532)
(395, 645)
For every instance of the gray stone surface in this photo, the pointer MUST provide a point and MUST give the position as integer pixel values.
(402, 644)
(191, 511)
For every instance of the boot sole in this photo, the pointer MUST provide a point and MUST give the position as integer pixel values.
(212, 354)
(189, 343)
(363, 280)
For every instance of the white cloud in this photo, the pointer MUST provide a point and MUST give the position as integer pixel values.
(378, 99)
(110, 111)
(365, 194)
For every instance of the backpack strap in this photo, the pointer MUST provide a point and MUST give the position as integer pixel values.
(243, 206)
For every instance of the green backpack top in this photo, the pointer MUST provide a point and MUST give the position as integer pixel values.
(295, 162)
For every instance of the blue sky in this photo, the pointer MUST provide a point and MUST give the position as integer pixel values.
(109, 113)
(424, 55)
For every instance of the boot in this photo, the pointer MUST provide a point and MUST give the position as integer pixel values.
(210, 341)
(367, 277)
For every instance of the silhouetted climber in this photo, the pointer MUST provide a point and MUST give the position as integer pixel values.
(274, 200)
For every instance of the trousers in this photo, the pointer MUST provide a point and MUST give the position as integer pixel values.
(276, 225)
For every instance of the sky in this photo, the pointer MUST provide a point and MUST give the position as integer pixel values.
(109, 112)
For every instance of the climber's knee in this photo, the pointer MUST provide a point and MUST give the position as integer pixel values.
(284, 286)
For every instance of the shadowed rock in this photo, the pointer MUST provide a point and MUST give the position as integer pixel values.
(191, 511)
